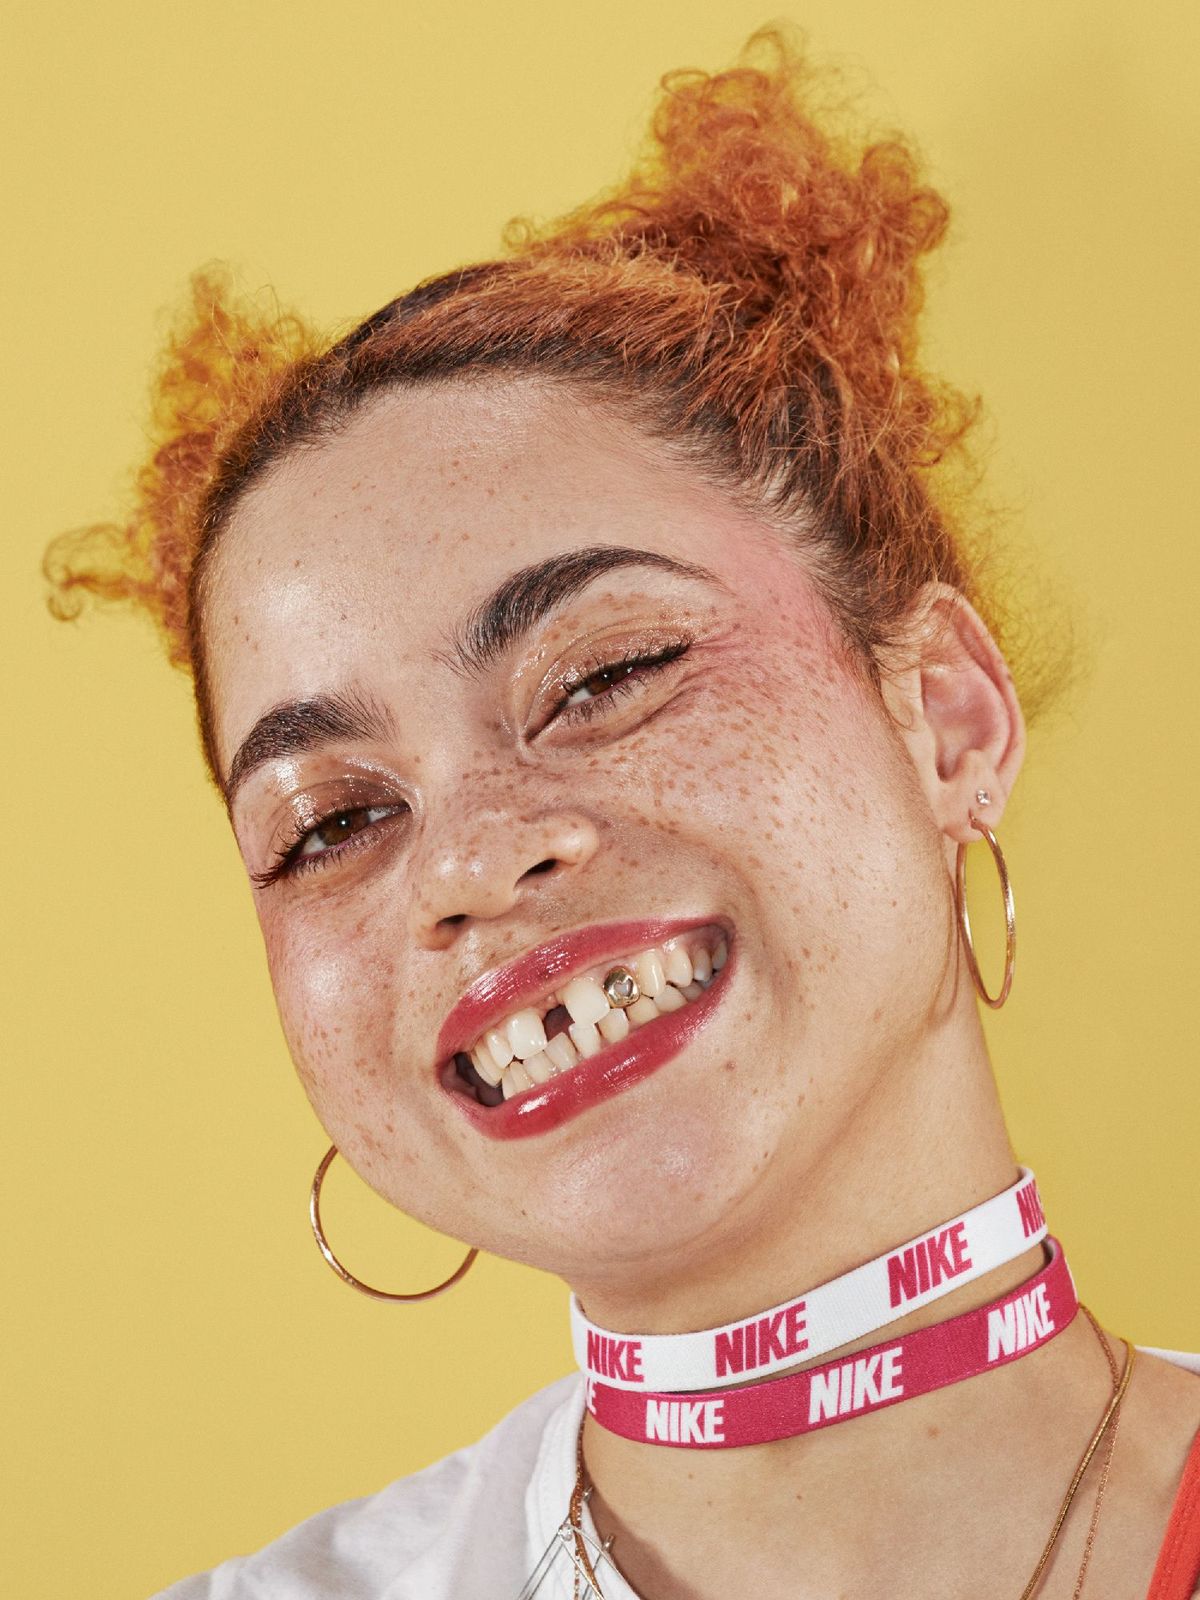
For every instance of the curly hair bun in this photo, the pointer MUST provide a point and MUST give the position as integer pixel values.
(750, 292)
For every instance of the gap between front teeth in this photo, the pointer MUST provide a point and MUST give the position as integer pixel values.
(516, 1054)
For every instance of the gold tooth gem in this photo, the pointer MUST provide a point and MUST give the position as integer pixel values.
(621, 988)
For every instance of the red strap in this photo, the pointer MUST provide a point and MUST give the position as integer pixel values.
(1178, 1571)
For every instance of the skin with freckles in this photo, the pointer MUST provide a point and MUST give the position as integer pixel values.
(838, 1100)
(755, 777)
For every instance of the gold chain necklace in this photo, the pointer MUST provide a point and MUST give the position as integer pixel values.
(1107, 1421)
(1107, 1425)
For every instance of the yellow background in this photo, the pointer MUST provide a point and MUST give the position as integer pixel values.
(187, 1378)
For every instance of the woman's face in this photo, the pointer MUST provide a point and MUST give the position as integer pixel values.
(747, 785)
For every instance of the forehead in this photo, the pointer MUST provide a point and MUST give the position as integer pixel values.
(353, 558)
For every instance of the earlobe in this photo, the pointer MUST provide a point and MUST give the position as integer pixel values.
(957, 709)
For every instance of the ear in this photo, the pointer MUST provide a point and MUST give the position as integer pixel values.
(956, 708)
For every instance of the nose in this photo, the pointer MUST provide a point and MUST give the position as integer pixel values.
(482, 867)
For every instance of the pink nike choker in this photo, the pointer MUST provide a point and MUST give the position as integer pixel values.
(913, 1364)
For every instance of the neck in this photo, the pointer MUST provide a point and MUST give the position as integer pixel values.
(690, 1523)
(928, 1142)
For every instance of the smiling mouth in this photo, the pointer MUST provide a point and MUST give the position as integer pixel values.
(586, 1013)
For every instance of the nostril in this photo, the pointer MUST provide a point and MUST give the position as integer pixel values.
(543, 866)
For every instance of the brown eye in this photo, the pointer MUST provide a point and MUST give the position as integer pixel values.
(591, 690)
(604, 679)
(326, 840)
(336, 828)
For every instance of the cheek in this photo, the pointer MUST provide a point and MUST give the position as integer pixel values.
(783, 769)
(335, 985)
(334, 979)
(773, 750)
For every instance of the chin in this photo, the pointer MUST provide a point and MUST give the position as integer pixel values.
(637, 1197)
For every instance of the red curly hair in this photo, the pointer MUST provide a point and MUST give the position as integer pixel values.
(749, 296)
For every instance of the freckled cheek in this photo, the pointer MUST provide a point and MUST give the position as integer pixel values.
(781, 763)
(765, 743)
(334, 990)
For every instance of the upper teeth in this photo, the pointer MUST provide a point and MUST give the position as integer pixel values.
(516, 1053)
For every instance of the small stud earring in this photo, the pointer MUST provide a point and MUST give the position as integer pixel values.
(983, 797)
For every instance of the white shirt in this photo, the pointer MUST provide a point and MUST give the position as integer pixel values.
(472, 1526)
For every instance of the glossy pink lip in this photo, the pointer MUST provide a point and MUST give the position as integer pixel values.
(499, 993)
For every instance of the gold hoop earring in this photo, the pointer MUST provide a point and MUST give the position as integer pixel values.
(314, 1212)
(964, 920)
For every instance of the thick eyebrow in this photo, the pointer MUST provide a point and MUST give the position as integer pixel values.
(491, 628)
(300, 725)
(522, 600)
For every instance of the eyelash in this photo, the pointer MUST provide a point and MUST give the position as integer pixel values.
(626, 684)
(289, 862)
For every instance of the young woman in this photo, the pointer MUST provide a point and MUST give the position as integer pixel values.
(603, 699)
